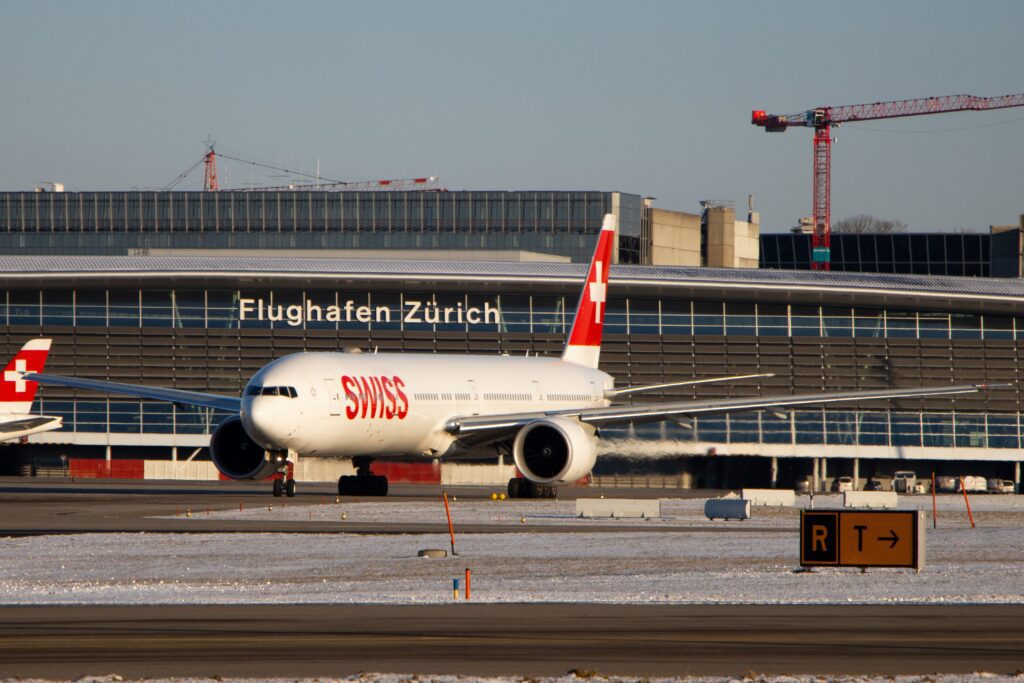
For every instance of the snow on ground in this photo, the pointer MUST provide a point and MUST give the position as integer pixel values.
(753, 563)
(988, 510)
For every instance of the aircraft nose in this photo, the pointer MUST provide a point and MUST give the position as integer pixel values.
(268, 422)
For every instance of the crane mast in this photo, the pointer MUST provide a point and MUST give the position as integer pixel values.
(823, 119)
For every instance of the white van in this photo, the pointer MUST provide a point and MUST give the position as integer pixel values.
(904, 481)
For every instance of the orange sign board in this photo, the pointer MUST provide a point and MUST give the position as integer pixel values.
(862, 538)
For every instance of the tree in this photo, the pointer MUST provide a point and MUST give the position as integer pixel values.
(864, 224)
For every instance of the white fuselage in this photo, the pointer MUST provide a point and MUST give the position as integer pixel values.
(396, 405)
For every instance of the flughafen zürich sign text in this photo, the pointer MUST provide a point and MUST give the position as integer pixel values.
(412, 311)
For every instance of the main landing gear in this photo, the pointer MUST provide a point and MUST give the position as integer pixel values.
(363, 483)
(284, 482)
(524, 488)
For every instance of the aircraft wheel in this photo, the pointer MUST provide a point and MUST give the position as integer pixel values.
(346, 486)
(289, 488)
(278, 488)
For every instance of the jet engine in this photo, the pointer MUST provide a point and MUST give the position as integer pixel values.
(555, 450)
(235, 454)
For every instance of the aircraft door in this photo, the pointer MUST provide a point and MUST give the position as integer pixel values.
(333, 395)
(474, 396)
(538, 396)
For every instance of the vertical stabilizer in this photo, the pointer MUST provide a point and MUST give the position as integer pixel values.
(584, 344)
(16, 394)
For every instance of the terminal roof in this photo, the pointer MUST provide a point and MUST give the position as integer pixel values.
(1002, 295)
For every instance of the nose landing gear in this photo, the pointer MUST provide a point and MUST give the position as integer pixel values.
(364, 483)
(284, 488)
(284, 481)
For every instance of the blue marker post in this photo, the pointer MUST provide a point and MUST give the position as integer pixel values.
(455, 589)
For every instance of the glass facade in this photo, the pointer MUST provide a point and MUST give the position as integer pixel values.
(390, 310)
(213, 339)
(564, 223)
(962, 254)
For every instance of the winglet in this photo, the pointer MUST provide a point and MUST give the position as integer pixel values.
(17, 393)
(584, 344)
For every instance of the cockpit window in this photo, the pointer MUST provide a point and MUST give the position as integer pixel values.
(256, 390)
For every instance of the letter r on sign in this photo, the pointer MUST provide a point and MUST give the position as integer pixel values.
(819, 535)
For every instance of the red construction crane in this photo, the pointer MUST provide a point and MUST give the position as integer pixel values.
(210, 183)
(822, 119)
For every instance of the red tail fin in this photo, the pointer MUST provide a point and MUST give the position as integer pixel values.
(584, 344)
(16, 394)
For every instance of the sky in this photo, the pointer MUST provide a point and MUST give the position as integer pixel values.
(652, 98)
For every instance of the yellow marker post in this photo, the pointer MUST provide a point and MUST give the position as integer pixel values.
(455, 589)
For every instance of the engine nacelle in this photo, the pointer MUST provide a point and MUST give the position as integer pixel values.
(235, 454)
(555, 450)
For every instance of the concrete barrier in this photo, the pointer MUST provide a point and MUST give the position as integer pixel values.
(869, 499)
(187, 470)
(468, 474)
(727, 508)
(322, 469)
(618, 507)
(769, 497)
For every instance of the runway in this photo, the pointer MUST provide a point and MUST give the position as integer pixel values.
(512, 640)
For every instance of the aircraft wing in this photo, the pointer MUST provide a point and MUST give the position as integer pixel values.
(17, 426)
(476, 429)
(231, 404)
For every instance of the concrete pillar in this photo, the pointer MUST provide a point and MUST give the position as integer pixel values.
(775, 472)
(814, 474)
(1016, 468)
(108, 453)
(824, 472)
(174, 453)
(856, 474)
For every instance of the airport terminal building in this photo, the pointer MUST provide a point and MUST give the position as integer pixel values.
(198, 290)
(208, 323)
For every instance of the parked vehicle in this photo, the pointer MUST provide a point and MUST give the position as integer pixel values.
(803, 486)
(873, 485)
(1000, 486)
(904, 481)
(840, 484)
(972, 484)
(947, 484)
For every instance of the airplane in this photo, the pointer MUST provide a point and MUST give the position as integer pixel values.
(543, 411)
(17, 394)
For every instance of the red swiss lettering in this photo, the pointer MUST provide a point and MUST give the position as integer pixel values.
(389, 398)
(350, 388)
(369, 401)
(402, 407)
(375, 397)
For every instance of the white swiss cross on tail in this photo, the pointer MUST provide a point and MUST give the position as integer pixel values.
(14, 375)
(584, 344)
(598, 291)
(16, 393)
